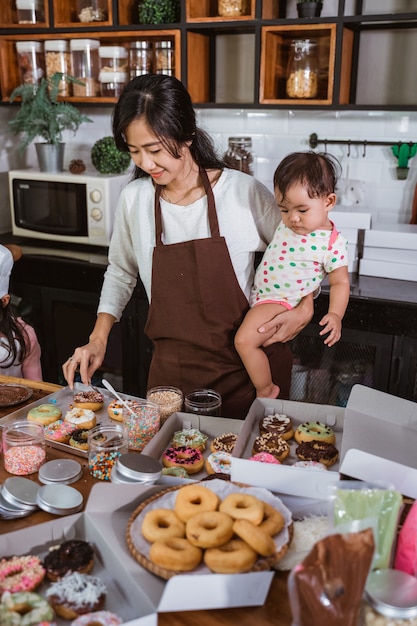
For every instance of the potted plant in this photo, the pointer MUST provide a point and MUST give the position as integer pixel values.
(159, 11)
(107, 158)
(309, 8)
(42, 115)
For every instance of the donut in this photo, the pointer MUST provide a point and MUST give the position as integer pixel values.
(82, 418)
(233, 557)
(257, 538)
(92, 400)
(314, 431)
(24, 608)
(219, 463)
(193, 499)
(176, 554)
(44, 414)
(76, 594)
(273, 521)
(189, 438)
(310, 465)
(209, 530)
(180, 472)
(189, 458)
(73, 555)
(59, 431)
(224, 443)
(21, 573)
(277, 424)
(274, 444)
(115, 409)
(243, 506)
(265, 457)
(321, 451)
(160, 524)
(79, 439)
(98, 618)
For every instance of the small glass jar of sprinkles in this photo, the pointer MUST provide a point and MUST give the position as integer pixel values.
(105, 444)
(141, 423)
(23, 448)
(169, 400)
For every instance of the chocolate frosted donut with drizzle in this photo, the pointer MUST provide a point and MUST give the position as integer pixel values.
(277, 424)
(274, 444)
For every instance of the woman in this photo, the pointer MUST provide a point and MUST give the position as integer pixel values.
(191, 228)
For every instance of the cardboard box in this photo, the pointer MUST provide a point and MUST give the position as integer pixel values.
(133, 592)
(390, 251)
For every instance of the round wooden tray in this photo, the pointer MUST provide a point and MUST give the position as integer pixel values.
(161, 499)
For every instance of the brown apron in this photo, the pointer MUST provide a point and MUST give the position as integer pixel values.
(196, 307)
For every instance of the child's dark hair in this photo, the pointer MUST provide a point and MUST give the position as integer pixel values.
(17, 340)
(318, 172)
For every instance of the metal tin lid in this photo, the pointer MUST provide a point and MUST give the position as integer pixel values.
(119, 479)
(59, 499)
(392, 593)
(20, 492)
(64, 471)
(12, 511)
(139, 466)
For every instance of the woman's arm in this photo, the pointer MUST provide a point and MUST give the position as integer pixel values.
(290, 323)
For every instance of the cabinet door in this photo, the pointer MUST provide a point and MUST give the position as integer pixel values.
(403, 379)
(326, 375)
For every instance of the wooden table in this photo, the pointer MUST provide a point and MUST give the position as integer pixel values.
(275, 612)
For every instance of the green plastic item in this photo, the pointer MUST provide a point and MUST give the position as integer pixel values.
(404, 152)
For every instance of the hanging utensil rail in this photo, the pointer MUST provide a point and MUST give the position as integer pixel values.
(314, 141)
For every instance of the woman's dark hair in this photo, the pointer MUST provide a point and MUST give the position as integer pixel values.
(17, 340)
(317, 171)
(167, 108)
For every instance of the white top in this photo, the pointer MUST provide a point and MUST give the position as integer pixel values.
(248, 216)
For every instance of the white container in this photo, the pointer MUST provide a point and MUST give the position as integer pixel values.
(113, 59)
(85, 66)
(112, 83)
(58, 59)
(31, 61)
(92, 10)
(30, 11)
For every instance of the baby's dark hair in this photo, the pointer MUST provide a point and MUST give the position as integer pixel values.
(318, 172)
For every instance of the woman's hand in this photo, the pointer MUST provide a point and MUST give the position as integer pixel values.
(288, 324)
(87, 359)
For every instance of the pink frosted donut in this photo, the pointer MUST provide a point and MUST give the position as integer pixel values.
(21, 573)
(59, 431)
(190, 458)
(97, 618)
(265, 457)
(312, 465)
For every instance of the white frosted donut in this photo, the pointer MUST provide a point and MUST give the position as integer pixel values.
(98, 618)
(219, 463)
(82, 418)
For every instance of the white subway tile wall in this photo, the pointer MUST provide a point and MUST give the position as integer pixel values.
(274, 134)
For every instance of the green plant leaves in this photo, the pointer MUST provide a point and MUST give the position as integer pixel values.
(107, 158)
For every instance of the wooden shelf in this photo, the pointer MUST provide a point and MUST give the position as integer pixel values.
(207, 11)
(9, 16)
(66, 15)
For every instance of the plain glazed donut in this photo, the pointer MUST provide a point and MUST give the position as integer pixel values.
(314, 431)
(189, 458)
(193, 499)
(219, 463)
(161, 524)
(176, 554)
(243, 506)
(44, 414)
(255, 537)
(26, 608)
(91, 400)
(74, 555)
(209, 530)
(21, 573)
(321, 451)
(274, 444)
(273, 521)
(76, 594)
(277, 424)
(98, 618)
(233, 557)
(59, 431)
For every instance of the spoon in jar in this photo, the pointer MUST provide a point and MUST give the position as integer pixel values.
(108, 386)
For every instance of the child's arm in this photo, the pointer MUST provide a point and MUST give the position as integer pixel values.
(338, 301)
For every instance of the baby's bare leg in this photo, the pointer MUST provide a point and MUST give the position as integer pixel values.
(248, 343)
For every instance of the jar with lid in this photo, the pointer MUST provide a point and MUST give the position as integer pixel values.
(57, 59)
(165, 57)
(23, 447)
(113, 59)
(85, 66)
(31, 61)
(140, 58)
(30, 11)
(203, 402)
(92, 10)
(112, 83)
(303, 69)
(106, 443)
(239, 155)
(232, 8)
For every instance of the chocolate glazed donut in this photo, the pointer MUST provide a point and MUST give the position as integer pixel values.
(74, 555)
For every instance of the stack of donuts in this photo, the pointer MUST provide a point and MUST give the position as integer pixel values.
(227, 535)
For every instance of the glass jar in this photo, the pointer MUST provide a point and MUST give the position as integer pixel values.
(57, 59)
(141, 423)
(239, 154)
(23, 448)
(140, 58)
(169, 400)
(203, 402)
(85, 67)
(113, 59)
(232, 8)
(165, 58)
(31, 61)
(92, 10)
(106, 443)
(112, 83)
(30, 11)
(303, 69)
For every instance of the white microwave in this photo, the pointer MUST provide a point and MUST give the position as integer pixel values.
(72, 208)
